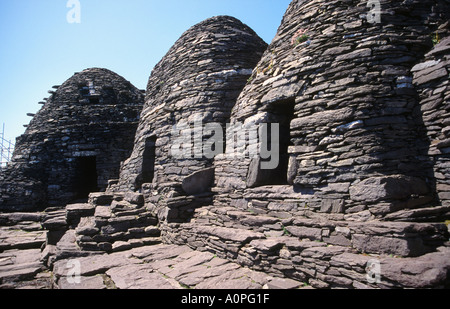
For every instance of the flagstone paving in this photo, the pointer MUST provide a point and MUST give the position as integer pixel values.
(22, 266)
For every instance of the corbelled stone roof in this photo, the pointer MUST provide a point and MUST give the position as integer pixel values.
(342, 84)
(94, 114)
(83, 98)
(361, 97)
(200, 77)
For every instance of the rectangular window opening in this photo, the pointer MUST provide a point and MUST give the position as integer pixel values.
(148, 164)
(281, 112)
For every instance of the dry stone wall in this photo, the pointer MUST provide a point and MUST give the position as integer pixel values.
(320, 252)
(342, 90)
(431, 78)
(359, 177)
(362, 108)
(197, 82)
(74, 144)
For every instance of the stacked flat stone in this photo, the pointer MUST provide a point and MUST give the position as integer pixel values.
(357, 178)
(106, 223)
(197, 82)
(363, 173)
(431, 77)
(341, 88)
(320, 252)
(92, 115)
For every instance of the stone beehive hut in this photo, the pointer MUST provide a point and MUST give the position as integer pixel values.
(363, 144)
(75, 143)
(197, 82)
(361, 191)
(341, 87)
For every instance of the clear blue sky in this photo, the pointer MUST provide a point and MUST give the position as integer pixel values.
(39, 48)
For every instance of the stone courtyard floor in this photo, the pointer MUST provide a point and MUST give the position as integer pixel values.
(151, 267)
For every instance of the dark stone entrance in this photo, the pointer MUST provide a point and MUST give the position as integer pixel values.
(86, 178)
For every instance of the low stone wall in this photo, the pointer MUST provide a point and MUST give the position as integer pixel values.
(322, 252)
(107, 223)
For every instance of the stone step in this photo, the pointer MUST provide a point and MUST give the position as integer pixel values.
(12, 238)
(10, 219)
(119, 245)
(100, 199)
(236, 235)
(420, 215)
(76, 211)
(134, 233)
(135, 243)
(55, 220)
(109, 231)
(19, 265)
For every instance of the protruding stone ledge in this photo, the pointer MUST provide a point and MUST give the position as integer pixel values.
(240, 236)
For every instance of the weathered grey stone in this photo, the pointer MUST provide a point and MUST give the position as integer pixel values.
(305, 232)
(283, 284)
(15, 218)
(355, 54)
(206, 271)
(76, 211)
(55, 221)
(267, 244)
(199, 182)
(281, 93)
(93, 265)
(323, 118)
(87, 227)
(19, 265)
(240, 279)
(258, 220)
(430, 270)
(418, 215)
(438, 73)
(18, 239)
(134, 198)
(85, 283)
(240, 236)
(385, 188)
(138, 277)
(388, 245)
(388, 228)
(323, 252)
(103, 212)
(100, 199)
(256, 175)
(332, 206)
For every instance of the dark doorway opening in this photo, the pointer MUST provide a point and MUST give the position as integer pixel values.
(281, 112)
(94, 100)
(148, 163)
(86, 178)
